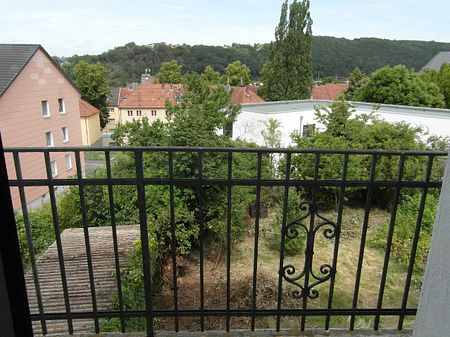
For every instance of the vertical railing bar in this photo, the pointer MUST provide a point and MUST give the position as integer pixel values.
(256, 242)
(202, 238)
(389, 241)
(174, 241)
(309, 252)
(144, 241)
(29, 234)
(282, 239)
(363, 239)
(415, 242)
(84, 220)
(112, 212)
(229, 199)
(337, 239)
(59, 248)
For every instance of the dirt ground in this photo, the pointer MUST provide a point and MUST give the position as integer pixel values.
(242, 256)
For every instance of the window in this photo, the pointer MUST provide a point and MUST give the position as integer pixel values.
(130, 113)
(49, 139)
(308, 130)
(111, 120)
(65, 134)
(139, 113)
(153, 113)
(45, 109)
(68, 161)
(61, 105)
(111, 109)
(54, 168)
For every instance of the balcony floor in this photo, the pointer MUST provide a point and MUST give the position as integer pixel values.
(263, 333)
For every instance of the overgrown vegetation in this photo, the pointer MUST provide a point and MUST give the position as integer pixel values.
(405, 227)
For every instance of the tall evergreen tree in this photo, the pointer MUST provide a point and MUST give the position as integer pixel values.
(287, 75)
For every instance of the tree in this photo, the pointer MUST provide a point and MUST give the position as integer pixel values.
(287, 75)
(357, 80)
(328, 79)
(92, 81)
(398, 85)
(237, 74)
(170, 72)
(441, 78)
(444, 83)
(272, 134)
(342, 131)
(210, 75)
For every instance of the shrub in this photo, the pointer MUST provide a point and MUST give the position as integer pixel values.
(292, 246)
(405, 223)
(133, 288)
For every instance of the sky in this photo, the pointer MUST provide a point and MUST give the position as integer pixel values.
(68, 27)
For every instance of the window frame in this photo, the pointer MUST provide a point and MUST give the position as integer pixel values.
(68, 160)
(63, 112)
(65, 134)
(47, 109)
(54, 168)
(51, 138)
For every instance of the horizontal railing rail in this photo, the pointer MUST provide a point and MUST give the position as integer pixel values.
(308, 173)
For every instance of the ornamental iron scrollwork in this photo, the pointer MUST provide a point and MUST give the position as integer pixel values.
(293, 230)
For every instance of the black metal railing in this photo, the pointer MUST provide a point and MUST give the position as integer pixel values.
(297, 170)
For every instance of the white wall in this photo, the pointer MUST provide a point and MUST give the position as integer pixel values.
(249, 123)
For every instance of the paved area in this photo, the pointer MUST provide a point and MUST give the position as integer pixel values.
(78, 276)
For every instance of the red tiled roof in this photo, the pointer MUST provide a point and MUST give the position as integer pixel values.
(245, 95)
(329, 91)
(149, 95)
(87, 109)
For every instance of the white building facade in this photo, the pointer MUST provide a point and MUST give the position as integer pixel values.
(295, 115)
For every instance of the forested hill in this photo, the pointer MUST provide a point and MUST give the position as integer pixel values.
(331, 56)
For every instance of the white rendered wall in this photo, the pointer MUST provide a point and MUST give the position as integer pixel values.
(249, 124)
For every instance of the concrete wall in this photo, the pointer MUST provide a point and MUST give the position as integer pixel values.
(433, 314)
(22, 123)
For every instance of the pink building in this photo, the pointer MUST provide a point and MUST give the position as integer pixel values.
(39, 107)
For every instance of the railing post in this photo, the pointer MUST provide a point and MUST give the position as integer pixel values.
(434, 306)
(14, 312)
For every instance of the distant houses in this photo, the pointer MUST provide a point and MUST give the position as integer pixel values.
(39, 107)
(149, 100)
(328, 91)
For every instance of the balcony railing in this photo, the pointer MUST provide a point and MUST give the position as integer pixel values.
(329, 186)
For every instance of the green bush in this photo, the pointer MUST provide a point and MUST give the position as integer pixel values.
(292, 246)
(133, 288)
(41, 223)
(359, 132)
(405, 223)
